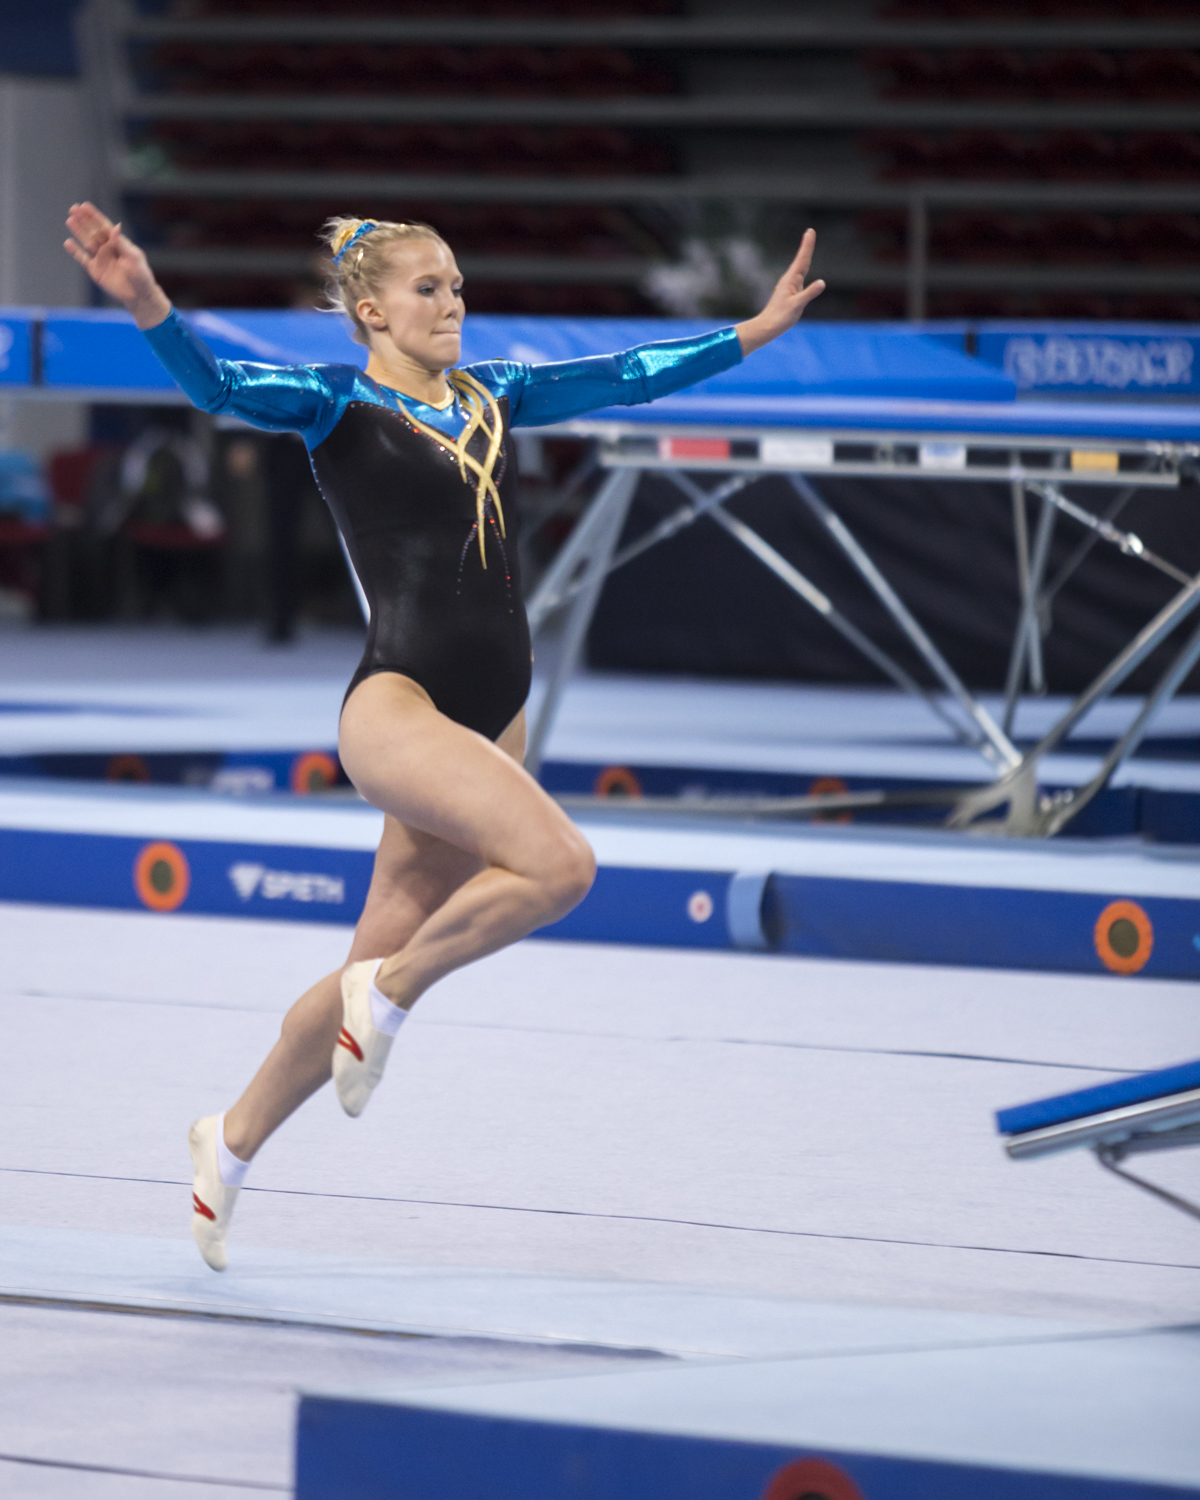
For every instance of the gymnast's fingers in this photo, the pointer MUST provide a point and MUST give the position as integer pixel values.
(799, 266)
(89, 226)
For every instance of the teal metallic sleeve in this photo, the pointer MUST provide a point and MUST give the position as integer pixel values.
(541, 394)
(277, 398)
(310, 399)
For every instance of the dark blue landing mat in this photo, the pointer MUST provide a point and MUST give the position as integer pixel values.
(1165, 816)
(373, 1451)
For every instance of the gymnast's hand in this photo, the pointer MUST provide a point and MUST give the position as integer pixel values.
(788, 300)
(115, 264)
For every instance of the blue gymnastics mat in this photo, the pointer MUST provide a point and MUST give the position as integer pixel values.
(101, 350)
(889, 895)
(1089, 1417)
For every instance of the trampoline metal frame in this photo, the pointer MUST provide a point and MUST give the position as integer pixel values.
(1034, 467)
(1165, 1124)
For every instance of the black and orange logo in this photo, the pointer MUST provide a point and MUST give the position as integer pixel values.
(162, 876)
(313, 772)
(812, 1479)
(617, 781)
(1124, 937)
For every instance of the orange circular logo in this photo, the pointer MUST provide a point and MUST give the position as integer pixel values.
(162, 876)
(617, 781)
(127, 768)
(830, 786)
(812, 1479)
(313, 772)
(1124, 937)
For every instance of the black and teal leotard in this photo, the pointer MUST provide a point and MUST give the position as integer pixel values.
(410, 522)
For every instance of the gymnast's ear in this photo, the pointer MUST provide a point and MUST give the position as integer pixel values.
(369, 312)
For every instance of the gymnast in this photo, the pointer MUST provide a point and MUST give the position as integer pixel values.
(414, 460)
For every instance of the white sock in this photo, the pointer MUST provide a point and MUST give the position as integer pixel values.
(232, 1169)
(385, 1016)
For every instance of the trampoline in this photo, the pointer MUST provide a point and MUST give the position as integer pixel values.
(879, 402)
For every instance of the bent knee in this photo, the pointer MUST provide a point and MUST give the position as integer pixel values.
(569, 872)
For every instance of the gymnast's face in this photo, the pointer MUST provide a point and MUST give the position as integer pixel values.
(419, 309)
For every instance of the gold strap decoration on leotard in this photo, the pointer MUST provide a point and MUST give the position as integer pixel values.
(482, 413)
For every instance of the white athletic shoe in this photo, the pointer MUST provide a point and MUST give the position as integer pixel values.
(212, 1200)
(360, 1052)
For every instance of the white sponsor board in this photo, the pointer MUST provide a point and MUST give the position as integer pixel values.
(796, 453)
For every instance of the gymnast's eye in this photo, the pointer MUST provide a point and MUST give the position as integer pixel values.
(426, 289)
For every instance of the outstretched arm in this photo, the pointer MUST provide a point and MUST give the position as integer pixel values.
(291, 398)
(540, 395)
(788, 300)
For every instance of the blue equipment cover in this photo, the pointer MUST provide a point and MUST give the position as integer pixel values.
(15, 346)
(102, 349)
(1104, 1096)
(1110, 359)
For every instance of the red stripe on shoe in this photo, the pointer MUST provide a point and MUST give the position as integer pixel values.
(203, 1208)
(347, 1041)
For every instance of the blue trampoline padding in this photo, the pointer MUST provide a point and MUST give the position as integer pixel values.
(16, 365)
(101, 347)
(1106, 421)
(1084, 1102)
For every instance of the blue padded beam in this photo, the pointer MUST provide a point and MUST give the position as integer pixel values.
(1104, 1096)
(101, 349)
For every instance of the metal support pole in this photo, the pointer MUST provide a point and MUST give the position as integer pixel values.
(1126, 541)
(607, 517)
(918, 256)
(1168, 685)
(1002, 747)
(555, 587)
(1068, 569)
(1016, 786)
(1021, 547)
(1027, 639)
(812, 596)
(699, 504)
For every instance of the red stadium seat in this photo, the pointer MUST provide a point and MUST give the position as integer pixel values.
(1163, 155)
(1163, 75)
(908, 72)
(1077, 154)
(1078, 73)
(987, 72)
(986, 154)
(1161, 238)
(1161, 307)
(887, 231)
(1070, 305)
(1079, 238)
(905, 153)
(982, 235)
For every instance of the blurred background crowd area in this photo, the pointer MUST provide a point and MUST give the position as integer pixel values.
(959, 158)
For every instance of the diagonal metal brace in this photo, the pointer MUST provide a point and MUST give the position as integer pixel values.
(1002, 747)
(1018, 788)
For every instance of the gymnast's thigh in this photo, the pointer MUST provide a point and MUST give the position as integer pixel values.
(435, 776)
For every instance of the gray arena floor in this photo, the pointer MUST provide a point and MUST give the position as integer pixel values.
(580, 1154)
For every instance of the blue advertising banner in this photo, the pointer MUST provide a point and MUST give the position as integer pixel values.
(1113, 359)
